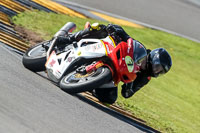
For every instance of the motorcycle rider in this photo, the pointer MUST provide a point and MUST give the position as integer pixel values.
(157, 62)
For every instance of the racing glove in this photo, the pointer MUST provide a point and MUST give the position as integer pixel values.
(118, 30)
(130, 88)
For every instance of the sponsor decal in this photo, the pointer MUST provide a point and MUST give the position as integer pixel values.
(129, 63)
(128, 50)
(93, 47)
(57, 74)
(87, 48)
(108, 50)
(69, 59)
(52, 63)
(97, 46)
(99, 65)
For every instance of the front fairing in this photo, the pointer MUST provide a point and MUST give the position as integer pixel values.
(122, 58)
(57, 65)
(127, 58)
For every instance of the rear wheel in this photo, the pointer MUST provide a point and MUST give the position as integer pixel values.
(75, 82)
(34, 58)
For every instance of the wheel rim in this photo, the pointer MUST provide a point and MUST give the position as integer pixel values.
(37, 51)
(79, 78)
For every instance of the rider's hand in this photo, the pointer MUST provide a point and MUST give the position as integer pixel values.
(115, 28)
(110, 28)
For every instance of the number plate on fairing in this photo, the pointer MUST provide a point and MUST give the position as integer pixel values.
(56, 65)
(52, 66)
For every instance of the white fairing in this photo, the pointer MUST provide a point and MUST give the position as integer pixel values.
(56, 65)
(90, 48)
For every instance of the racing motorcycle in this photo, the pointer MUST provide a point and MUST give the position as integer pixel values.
(87, 64)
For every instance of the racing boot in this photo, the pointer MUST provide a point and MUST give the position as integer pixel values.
(63, 40)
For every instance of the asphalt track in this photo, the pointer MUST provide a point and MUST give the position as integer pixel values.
(180, 17)
(31, 103)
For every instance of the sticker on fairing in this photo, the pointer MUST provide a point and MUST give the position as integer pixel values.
(129, 63)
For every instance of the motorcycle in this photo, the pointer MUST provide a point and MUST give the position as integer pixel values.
(87, 64)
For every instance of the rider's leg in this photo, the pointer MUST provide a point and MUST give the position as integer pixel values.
(90, 31)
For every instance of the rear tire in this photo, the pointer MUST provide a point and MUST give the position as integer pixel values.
(34, 58)
(72, 84)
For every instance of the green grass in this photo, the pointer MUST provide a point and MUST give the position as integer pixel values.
(170, 103)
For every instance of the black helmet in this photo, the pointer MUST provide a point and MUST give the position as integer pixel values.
(160, 61)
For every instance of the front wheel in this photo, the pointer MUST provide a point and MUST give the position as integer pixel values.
(34, 58)
(76, 83)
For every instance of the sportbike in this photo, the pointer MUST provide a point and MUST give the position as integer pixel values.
(87, 64)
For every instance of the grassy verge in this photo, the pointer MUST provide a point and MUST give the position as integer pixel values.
(170, 103)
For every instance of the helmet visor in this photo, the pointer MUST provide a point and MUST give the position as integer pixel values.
(157, 68)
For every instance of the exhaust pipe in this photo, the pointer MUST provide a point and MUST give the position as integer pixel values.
(68, 27)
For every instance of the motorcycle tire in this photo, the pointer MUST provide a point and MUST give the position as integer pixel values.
(76, 83)
(34, 58)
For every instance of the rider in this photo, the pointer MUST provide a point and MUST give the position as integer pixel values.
(157, 62)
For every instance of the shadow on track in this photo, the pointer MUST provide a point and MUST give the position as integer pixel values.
(118, 115)
(109, 111)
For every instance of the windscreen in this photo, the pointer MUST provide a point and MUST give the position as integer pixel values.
(139, 53)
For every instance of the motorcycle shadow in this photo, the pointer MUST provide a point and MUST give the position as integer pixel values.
(105, 108)
(141, 126)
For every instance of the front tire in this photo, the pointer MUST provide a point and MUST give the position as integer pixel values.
(34, 58)
(76, 83)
